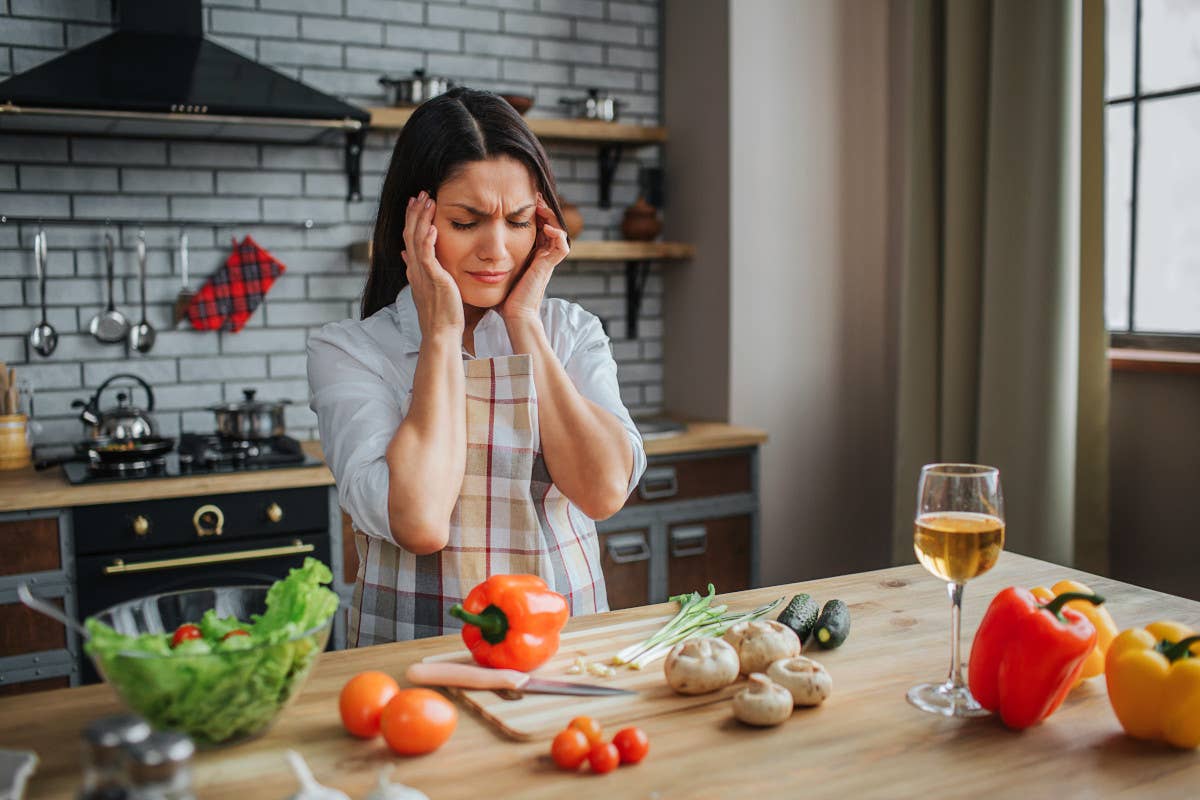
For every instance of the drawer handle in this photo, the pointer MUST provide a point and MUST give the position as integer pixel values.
(627, 548)
(658, 482)
(689, 540)
(119, 567)
(218, 520)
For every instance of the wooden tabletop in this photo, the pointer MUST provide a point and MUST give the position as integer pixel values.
(27, 489)
(865, 742)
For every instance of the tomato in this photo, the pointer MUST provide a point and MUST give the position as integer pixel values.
(235, 632)
(417, 721)
(632, 745)
(362, 700)
(185, 632)
(591, 729)
(570, 748)
(603, 757)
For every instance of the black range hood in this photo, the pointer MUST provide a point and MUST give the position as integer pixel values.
(157, 75)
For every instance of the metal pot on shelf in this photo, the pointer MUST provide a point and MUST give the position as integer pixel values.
(251, 419)
(603, 107)
(415, 90)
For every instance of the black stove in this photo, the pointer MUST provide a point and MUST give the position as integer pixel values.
(197, 454)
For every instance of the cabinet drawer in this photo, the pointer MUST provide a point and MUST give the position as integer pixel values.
(686, 479)
(174, 521)
(23, 630)
(625, 558)
(29, 545)
(715, 551)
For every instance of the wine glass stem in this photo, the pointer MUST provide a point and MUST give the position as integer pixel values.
(955, 590)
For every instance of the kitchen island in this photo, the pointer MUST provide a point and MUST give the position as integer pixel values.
(866, 741)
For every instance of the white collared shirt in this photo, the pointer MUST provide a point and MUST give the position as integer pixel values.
(360, 377)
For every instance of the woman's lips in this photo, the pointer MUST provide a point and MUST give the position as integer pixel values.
(489, 277)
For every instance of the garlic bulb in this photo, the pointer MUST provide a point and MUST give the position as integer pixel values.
(386, 790)
(309, 788)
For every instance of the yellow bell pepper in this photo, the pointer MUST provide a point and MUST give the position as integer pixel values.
(1153, 678)
(1106, 629)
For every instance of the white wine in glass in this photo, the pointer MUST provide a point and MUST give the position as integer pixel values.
(958, 535)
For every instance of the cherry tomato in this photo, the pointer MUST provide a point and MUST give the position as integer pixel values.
(417, 721)
(570, 748)
(185, 632)
(591, 729)
(235, 632)
(362, 700)
(603, 757)
(632, 745)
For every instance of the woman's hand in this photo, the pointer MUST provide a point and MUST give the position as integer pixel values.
(435, 294)
(524, 300)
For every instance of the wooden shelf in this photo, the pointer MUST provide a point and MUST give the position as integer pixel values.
(593, 251)
(550, 129)
(1164, 361)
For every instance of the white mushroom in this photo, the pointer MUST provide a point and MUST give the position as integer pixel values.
(763, 702)
(696, 666)
(808, 681)
(760, 642)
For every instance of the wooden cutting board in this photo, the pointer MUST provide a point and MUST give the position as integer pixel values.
(541, 716)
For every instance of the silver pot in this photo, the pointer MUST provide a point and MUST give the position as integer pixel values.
(603, 107)
(415, 90)
(250, 419)
(123, 423)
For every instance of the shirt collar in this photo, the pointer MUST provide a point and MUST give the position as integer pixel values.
(491, 336)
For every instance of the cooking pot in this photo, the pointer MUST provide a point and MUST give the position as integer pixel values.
(415, 90)
(123, 423)
(250, 419)
(603, 107)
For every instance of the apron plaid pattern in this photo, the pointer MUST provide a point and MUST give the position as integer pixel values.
(236, 289)
(509, 519)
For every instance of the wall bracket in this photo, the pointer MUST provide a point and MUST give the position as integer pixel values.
(636, 274)
(610, 157)
(354, 151)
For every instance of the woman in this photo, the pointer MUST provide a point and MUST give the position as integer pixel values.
(473, 427)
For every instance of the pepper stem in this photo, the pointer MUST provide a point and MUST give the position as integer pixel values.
(1055, 606)
(1177, 650)
(492, 622)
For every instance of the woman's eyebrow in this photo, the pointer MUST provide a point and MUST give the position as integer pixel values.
(479, 213)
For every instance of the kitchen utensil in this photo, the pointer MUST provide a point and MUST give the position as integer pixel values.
(141, 336)
(250, 419)
(603, 107)
(110, 452)
(4, 407)
(109, 326)
(415, 90)
(186, 293)
(468, 676)
(123, 423)
(50, 610)
(14, 441)
(43, 338)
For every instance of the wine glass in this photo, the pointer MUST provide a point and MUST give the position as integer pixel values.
(959, 533)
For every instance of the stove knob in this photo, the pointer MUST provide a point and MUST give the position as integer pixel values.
(141, 525)
(274, 512)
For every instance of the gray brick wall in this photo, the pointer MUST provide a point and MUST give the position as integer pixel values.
(546, 48)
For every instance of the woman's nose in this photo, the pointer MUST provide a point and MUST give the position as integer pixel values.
(490, 246)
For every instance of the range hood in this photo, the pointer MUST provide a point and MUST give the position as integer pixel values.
(156, 75)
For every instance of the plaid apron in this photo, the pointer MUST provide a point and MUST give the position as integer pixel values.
(509, 519)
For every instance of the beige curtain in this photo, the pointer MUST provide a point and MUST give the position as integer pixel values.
(1002, 344)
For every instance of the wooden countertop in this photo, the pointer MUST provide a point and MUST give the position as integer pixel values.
(27, 489)
(866, 741)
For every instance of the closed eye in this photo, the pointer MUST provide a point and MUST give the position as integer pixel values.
(466, 226)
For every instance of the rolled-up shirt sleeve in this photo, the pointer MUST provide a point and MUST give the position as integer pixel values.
(592, 368)
(357, 415)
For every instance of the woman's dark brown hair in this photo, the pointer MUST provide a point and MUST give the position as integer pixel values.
(442, 136)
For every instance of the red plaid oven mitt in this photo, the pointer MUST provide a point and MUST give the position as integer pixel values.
(231, 294)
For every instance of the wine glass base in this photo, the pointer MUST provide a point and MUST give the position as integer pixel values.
(946, 699)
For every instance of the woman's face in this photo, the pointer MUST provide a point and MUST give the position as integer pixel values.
(486, 227)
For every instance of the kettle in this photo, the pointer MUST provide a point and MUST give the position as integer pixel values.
(122, 423)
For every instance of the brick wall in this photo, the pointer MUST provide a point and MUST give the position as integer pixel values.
(547, 48)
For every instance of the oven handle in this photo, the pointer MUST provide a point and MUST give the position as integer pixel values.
(119, 567)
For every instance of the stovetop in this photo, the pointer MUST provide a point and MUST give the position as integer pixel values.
(198, 454)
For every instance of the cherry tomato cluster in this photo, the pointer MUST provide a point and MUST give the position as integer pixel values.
(412, 721)
(583, 740)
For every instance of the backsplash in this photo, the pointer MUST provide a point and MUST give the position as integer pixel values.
(546, 48)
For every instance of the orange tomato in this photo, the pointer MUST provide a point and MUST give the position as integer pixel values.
(603, 757)
(591, 729)
(362, 700)
(417, 721)
(570, 748)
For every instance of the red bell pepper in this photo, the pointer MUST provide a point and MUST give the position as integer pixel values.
(1026, 656)
(513, 621)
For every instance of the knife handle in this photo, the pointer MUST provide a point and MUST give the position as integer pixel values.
(465, 676)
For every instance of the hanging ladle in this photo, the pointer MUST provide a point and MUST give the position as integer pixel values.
(110, 325)
(50, 610)
(141, 336)
(43, 338)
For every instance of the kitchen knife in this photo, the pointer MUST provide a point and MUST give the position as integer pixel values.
(467, 676)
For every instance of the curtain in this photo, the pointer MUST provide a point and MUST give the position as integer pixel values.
(1001, 356)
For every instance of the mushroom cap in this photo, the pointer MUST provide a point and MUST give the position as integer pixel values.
(763, 702)
(760, 642)
(808, 681)
(696, 666)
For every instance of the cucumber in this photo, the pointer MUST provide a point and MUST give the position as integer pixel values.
(833, 626)
(801, 615)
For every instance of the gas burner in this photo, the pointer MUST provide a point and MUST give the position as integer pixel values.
(209, 452)
(144, 468)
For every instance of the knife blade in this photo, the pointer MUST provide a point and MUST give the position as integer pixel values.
(468, 676)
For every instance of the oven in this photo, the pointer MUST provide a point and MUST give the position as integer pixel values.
(129, 550)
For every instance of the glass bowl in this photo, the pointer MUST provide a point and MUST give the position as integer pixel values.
(217, 698)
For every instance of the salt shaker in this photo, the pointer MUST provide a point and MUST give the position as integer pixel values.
(103, 755)
(160, 767)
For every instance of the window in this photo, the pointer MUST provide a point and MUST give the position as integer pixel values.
(1152, 214)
